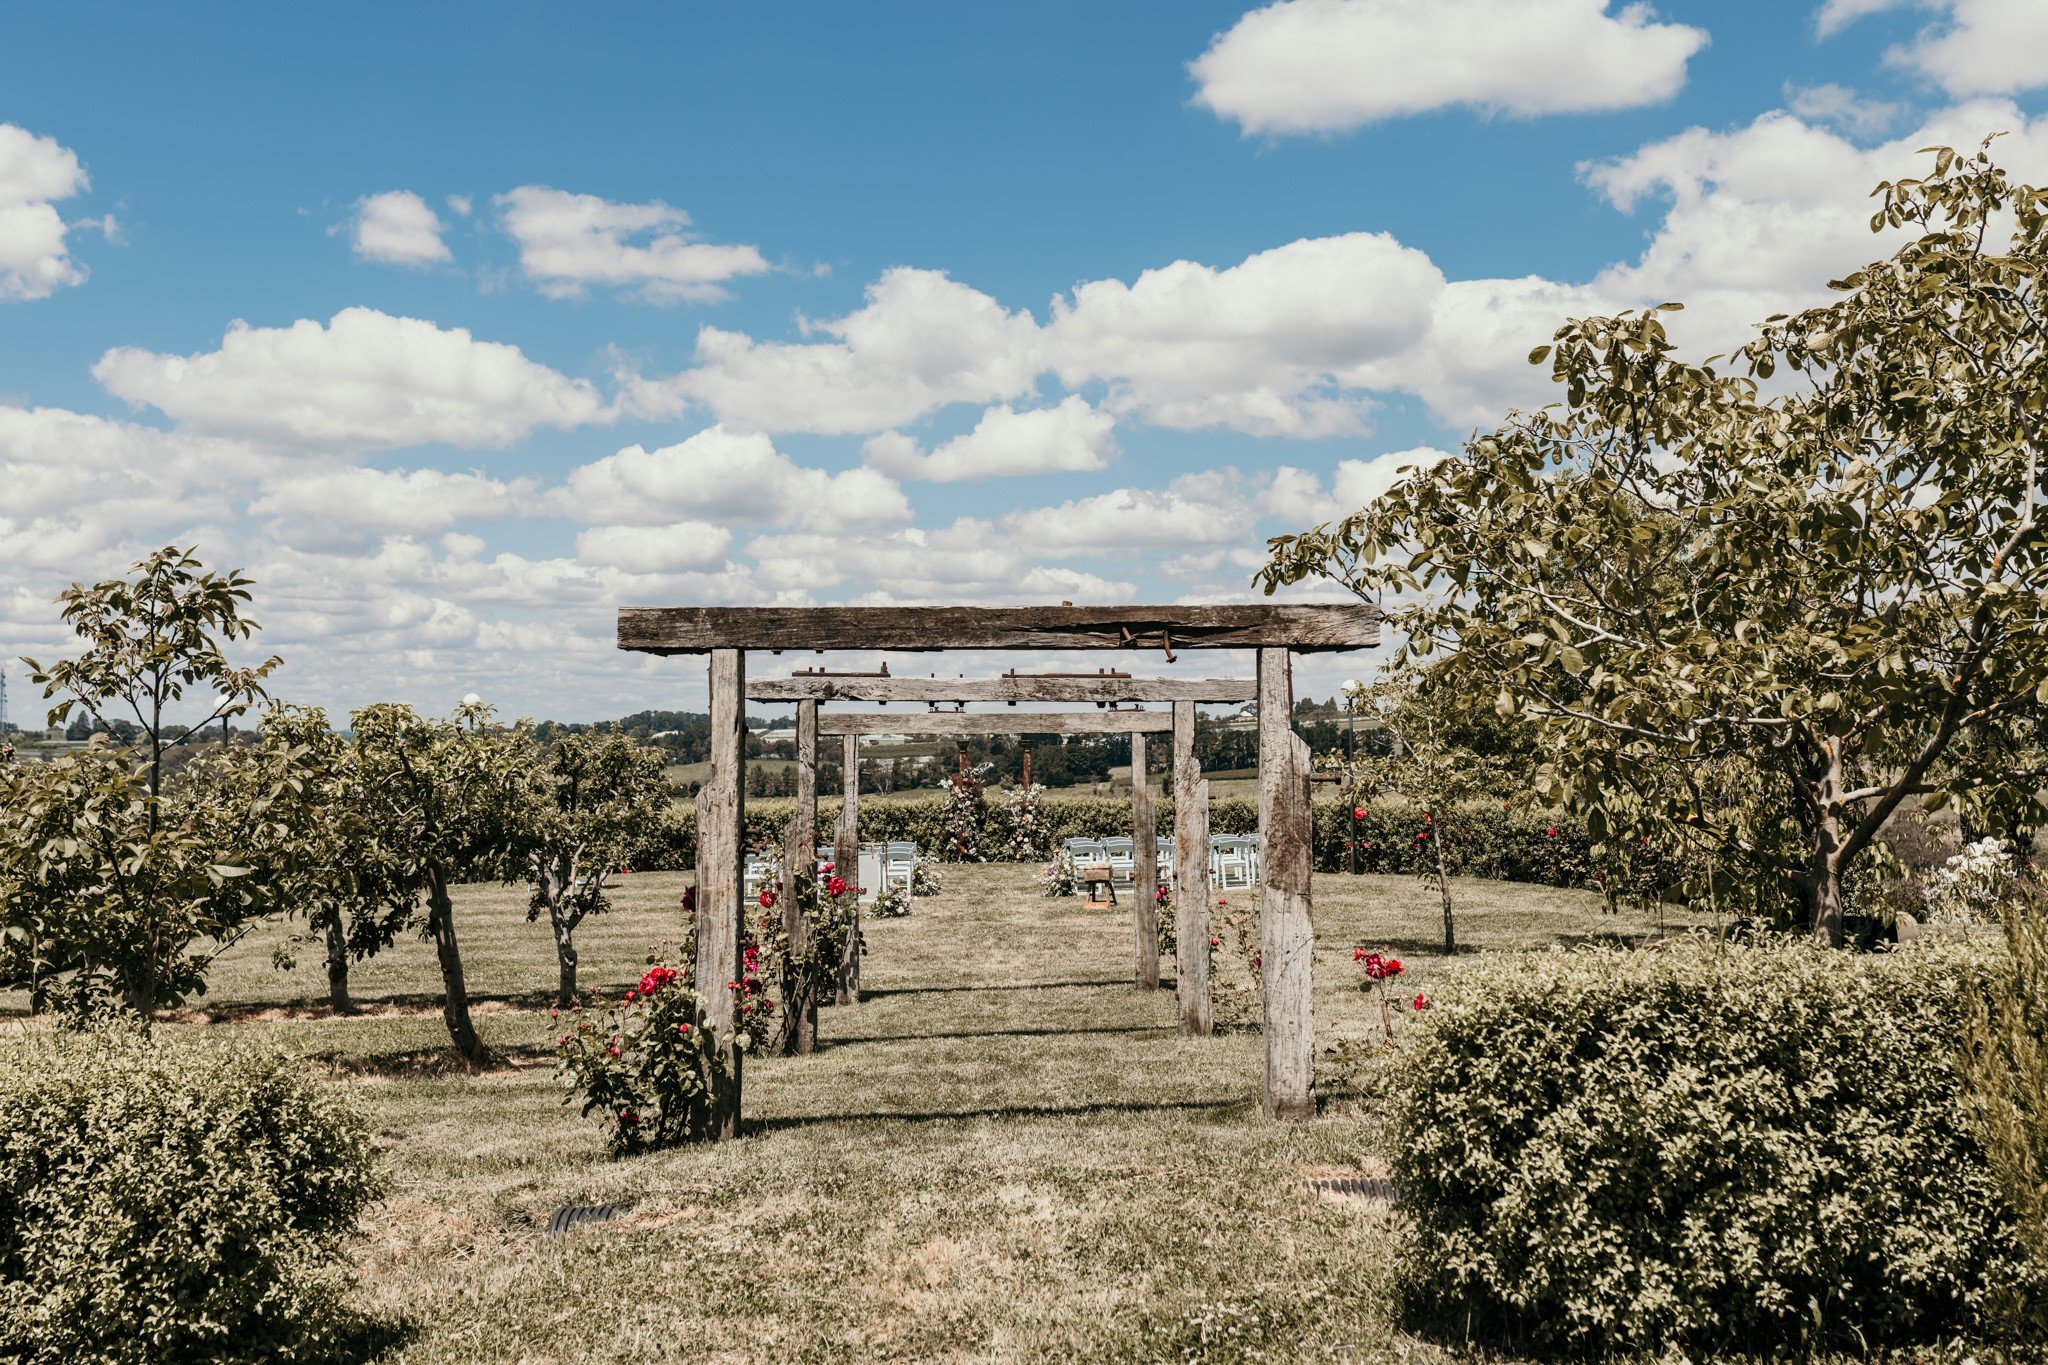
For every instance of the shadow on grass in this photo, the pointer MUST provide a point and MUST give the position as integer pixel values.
(1135, 1030)
(364, 1338)
(1097, 1109)
(1418, 947)
(425, 1062)
(978, 989)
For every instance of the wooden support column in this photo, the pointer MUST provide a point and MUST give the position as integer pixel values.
(1191, 878)
(721, 879)
(1144, 871)
(1286, 932)
(799, 859)
(846, 856)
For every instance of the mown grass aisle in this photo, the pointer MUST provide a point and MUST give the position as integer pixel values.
(1005, 1152)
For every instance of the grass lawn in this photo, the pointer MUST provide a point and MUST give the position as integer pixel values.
(1004, 1153)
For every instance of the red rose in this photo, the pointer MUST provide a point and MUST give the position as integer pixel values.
(1550, 833)
(767, 900)
(1358, 812)
(1215, 942)
(1421, 1001)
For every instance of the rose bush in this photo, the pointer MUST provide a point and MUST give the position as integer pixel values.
(646, 1066)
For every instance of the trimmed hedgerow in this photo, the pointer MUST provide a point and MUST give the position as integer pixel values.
(1524, 843)
(1752, 1149)
(163, 1203)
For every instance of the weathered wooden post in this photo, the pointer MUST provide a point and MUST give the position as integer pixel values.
(721, 876)
(1191, 878)
(846, 858)
(800, 856)
(1286, 931)
(1144, 871)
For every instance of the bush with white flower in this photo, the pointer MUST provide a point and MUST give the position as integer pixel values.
(1024, 844)
(1968, 888)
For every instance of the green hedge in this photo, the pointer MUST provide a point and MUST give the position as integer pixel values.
(167, 1203)
(1754, 1149)
(1525, 844)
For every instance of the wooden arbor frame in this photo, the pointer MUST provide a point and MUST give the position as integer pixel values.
(1287, 941)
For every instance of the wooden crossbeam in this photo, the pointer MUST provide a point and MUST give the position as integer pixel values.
(1022, 687)
(948, 724)
(1304, 627)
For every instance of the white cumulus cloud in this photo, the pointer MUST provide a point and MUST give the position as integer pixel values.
(1306, 66)
(569, 242)
(726, 474)
(1068, 437)
(1269, 346)
(1968, 47)
(681, 545)
(919, 341)
(338, 503)
(35, 257)
(399, 228)
(365, 380)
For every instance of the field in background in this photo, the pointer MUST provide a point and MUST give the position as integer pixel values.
(1006, 1152)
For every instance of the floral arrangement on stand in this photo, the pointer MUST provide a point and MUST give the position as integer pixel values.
(1059, 877)
(892, 903)
(964, 814)
(644, 1066)
(925, 879)
(1023, 811)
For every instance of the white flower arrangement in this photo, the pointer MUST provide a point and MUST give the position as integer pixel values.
(1968, 887)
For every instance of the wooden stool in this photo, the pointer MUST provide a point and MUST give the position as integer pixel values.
(1099, 886)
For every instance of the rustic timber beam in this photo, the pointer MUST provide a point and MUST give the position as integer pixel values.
(949, 724)
(1020, 688)
(1304, 627)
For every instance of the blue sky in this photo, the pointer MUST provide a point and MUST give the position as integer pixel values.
(546, 309)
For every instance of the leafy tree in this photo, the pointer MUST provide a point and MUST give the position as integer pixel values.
(1822, 561)
(1429, 766)
(601, 792)
(337, 869)
(450, 801)
(148, 640)
(100, 895)
(109, 883)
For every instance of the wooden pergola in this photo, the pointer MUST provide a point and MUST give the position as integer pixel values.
(1275, 632)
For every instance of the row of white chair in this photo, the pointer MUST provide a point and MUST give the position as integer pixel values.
(1233, 858)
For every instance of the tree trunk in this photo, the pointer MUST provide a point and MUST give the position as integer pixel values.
(565, 956)
(337, 968)
(1827, 870)
(454, 993)
(1443, 887)
(140, 994)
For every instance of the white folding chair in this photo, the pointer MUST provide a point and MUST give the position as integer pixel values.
(1122, 855)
